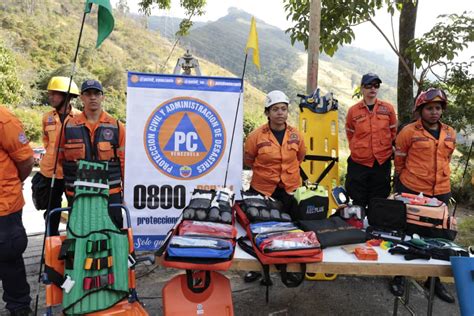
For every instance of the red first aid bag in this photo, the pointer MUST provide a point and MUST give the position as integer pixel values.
(209, 229)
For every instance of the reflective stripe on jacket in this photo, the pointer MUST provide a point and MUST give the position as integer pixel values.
(14, 148)
(274, 164)
(104, 142)
(371, 133)
(422, 161)
(51, 130)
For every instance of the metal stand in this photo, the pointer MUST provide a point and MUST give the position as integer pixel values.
(405, 299)
(187, 63)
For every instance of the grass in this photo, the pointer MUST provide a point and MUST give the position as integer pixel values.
(466, 232)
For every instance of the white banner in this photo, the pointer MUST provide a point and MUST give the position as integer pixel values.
(179, 131)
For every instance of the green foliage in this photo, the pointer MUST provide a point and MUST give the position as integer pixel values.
(251, 122)
(459, 87)
(337, 19)
(462, 188)
(43, 44)
(147, 5)
(444, 40)
(466, 232)
(31, 121)
(191, 7)
(113, 104)
(10, 86)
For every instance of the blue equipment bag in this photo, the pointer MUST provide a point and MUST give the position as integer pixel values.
(199, 247)
(268, 227)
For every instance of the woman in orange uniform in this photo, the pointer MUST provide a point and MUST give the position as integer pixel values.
(423, 153)
(275, 151)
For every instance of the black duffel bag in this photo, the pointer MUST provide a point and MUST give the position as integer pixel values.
(334, 231)
(40, 187)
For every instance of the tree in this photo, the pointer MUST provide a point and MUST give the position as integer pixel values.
(337, 19)
(10, 86)
(406, 33)
(459, 85)
(192, 8)
(434, 52)
(443, 42)
(122, 7)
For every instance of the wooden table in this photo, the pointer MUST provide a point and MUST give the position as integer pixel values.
(338, 261)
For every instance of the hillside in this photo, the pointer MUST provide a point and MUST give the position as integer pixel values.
(41, 42)
(283, 65)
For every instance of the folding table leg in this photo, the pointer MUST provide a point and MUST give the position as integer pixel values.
(431, 296)
(405, 299)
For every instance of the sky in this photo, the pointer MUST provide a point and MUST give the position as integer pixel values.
(366, 36)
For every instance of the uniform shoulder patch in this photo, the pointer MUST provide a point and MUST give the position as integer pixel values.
(22, 138)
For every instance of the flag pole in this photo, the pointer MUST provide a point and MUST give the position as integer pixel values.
(235, 120)
(63, 119)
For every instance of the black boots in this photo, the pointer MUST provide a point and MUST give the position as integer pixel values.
(440, 290)
(252, 276)
(26, 311)
(397, 285)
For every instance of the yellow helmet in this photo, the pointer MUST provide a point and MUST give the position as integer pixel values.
(61, 84)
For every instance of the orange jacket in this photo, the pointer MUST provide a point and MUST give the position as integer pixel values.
(422, 161)
(274, 164)
(51, 130)
(104, 141)
(371, 133)
(13, 148)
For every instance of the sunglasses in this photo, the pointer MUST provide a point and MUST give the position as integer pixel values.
(435, 93)
(372, 85)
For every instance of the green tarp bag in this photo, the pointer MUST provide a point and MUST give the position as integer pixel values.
(313, 203)
(95, 251)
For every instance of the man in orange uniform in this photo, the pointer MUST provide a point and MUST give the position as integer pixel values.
(52, 121)
(16, 162)
(371, 126)
(94, 135)
(422, 156)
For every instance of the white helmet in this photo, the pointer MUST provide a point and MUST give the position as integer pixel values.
(274, 97)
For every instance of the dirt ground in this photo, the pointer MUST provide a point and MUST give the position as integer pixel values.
(347, 295)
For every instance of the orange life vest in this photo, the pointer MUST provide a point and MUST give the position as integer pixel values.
(104, 142)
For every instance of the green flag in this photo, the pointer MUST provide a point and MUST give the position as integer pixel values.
(105, 19)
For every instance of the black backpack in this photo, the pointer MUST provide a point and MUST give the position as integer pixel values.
(40, 187)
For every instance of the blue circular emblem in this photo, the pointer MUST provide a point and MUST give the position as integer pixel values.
(184, 138)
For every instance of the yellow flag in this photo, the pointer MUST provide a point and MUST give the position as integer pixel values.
(252, 42)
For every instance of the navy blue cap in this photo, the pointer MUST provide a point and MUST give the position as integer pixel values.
(91, 84)
(370, 77)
